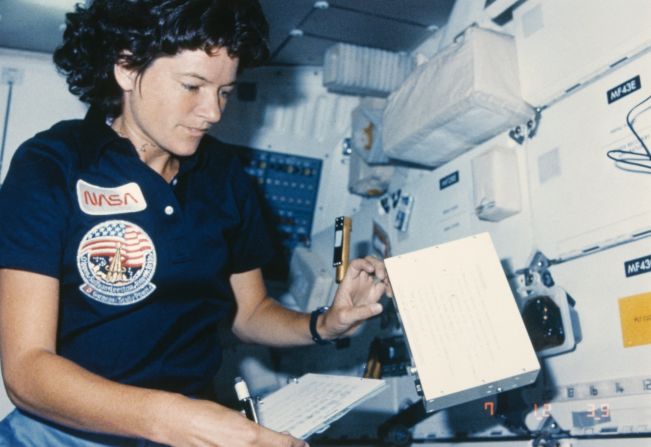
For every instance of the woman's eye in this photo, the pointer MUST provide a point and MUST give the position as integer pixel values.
(225, 93)
(190, 87)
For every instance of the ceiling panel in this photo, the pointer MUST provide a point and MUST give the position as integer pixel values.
(33, 25)
(361, 29)
(305, 50)
(425, 13)
(396, 25)
(283, 16)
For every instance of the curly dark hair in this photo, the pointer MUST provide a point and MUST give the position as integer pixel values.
(137, 32)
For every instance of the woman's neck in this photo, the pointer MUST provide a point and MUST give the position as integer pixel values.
(157, 158)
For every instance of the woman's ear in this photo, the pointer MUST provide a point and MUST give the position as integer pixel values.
(125, 77)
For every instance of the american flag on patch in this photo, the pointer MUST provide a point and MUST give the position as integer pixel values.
(134, 244)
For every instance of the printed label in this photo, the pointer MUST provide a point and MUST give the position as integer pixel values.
(635, 315)
(623, 89)
(638, 266)
(99, 201)
(449, 180)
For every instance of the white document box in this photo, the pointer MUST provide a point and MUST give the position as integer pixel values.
(463, 327)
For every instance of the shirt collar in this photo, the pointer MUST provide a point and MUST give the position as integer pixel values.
(97, 136)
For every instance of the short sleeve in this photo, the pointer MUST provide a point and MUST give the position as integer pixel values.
(251, 245)
(33, 212)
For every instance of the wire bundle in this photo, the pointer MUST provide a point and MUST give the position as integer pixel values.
(632, 160)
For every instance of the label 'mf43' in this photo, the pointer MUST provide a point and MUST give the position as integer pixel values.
(623, 89)
(638, 266)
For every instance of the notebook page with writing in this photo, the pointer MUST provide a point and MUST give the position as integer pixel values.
(462, 324)
(310, 404)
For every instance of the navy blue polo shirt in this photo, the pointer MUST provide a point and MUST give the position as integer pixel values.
(143, 264)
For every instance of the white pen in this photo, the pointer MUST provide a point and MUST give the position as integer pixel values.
(247, 404)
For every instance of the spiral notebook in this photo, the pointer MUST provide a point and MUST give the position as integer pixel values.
(311, 403)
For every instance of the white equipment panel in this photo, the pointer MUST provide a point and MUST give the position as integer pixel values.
(562, 43)
(444, 208)
(581, 199)
(603, 387)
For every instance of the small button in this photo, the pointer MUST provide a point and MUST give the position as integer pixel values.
(175, 181)
(169, 210)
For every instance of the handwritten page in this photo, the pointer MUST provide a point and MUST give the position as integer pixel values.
(461, 321)
(311, 403)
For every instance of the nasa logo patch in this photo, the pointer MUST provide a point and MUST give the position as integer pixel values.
(101, 201)
(117, 260)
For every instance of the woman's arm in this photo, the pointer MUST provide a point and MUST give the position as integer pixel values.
(43, 383)
(261, 319)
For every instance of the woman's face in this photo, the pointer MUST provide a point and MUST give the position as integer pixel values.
(176, 100)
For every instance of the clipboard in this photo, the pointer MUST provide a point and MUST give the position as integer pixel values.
(464, 330)
(309, 405)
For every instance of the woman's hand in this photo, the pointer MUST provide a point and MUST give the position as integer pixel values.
(356, 300)
(201, 423)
